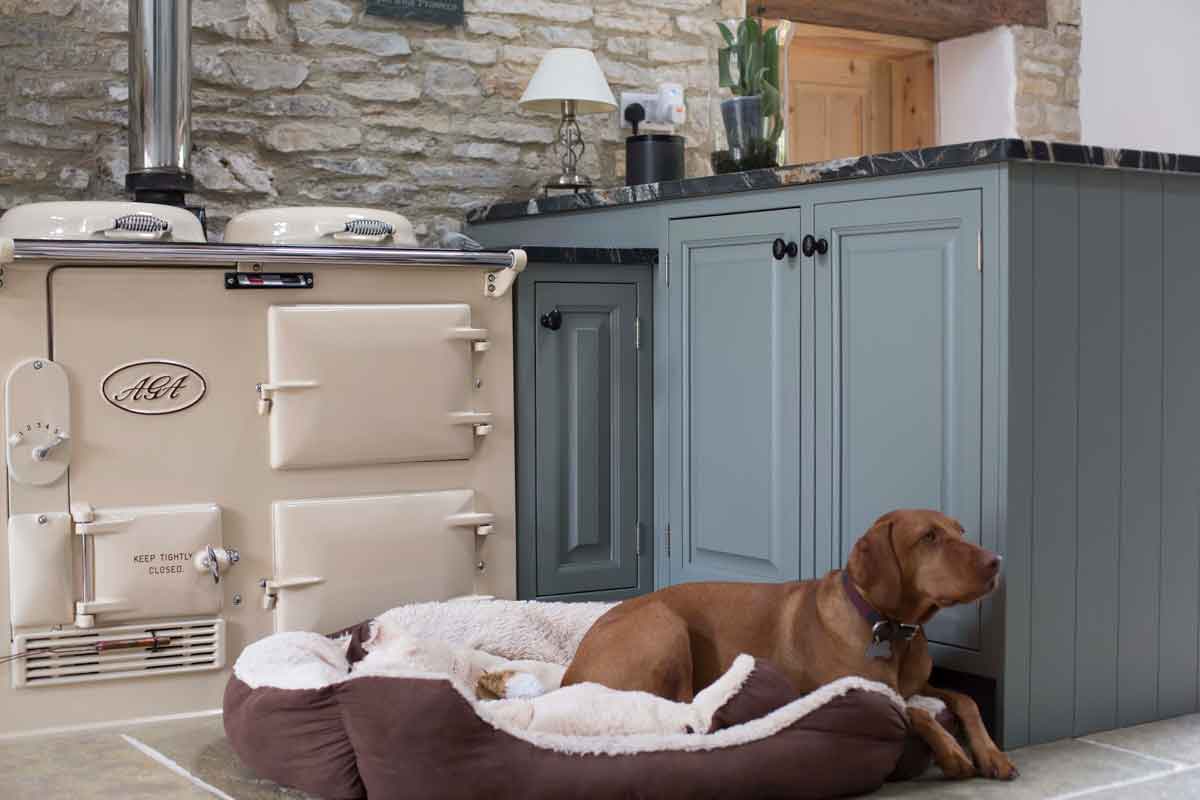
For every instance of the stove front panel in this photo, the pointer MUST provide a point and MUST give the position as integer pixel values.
(164, 366)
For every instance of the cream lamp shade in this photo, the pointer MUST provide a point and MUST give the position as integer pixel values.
(568, 73)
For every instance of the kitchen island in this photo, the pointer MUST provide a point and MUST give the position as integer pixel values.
(1004, 330)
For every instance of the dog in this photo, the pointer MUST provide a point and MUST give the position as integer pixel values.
(863, 620)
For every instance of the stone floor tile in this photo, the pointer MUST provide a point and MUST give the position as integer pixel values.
(1175, 739)
(1181, 785)
(1046, 770)
(92, 766)
(200, 747)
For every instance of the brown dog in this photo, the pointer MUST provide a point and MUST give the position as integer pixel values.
(678, 640)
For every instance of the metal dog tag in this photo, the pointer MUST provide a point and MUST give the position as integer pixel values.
(878, 649)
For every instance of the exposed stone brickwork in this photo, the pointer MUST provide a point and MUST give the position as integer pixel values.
(1048, 75)
(311, 101)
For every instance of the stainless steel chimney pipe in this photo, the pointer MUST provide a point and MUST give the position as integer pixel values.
(160, 99)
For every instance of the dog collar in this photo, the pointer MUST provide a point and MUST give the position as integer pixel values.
(884, 631)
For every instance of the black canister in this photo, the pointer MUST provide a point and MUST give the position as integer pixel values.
(653, 157)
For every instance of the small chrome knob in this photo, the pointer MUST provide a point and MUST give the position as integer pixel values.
(42, 452)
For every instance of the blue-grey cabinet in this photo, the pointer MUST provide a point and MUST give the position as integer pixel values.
(734, 398)
(583, 431)
(1049, 401)
(899, 367)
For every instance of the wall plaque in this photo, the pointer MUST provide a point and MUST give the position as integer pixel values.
(445, 12)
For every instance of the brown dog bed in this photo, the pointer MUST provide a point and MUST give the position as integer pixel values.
(335, 718)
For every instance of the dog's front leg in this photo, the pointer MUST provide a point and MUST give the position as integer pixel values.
(990, 760)
(947, 753)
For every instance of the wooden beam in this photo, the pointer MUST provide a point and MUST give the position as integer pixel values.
(925, 19)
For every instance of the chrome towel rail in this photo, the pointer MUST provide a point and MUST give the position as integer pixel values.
(229, 255)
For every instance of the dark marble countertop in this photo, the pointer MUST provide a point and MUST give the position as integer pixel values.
(991, 151)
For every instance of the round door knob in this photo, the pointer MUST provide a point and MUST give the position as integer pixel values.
(780, 248)
(552, 320)
(812, 245)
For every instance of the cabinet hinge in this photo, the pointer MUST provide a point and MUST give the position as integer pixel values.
(668, 541)
(979, 251)
(667, 269)
(637, 333)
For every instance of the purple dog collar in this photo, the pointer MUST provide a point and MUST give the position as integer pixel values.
(884, 631)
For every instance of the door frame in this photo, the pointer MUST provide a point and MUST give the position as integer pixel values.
(632, 266)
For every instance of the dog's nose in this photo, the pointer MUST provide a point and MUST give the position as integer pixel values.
(991, 563)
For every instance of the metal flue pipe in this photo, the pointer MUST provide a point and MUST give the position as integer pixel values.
(160, 100)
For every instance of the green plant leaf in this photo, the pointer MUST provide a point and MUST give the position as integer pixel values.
(771, 57)
(726, 34)
(724, 76)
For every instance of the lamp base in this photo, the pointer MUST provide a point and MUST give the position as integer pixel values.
(567, 181)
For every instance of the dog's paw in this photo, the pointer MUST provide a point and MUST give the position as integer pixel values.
(996, 765)
(956, 765)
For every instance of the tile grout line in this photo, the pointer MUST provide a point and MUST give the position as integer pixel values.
(173, 766)
(1127, 782)
(89, 727)
(1138, 753)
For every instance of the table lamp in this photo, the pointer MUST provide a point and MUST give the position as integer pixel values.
(569, 80)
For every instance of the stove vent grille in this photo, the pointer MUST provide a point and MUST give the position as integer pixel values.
(195, 645)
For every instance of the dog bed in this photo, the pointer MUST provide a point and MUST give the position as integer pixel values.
(388, 709)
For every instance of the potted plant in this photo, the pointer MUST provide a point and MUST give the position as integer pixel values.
(753, 54)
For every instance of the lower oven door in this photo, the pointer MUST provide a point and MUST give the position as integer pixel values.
(342, 560)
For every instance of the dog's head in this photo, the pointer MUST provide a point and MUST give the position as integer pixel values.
(914, 561)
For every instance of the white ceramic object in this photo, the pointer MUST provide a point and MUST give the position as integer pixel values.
(321, 225)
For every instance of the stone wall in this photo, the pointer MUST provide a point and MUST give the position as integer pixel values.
(312, 102)
(1047, 61)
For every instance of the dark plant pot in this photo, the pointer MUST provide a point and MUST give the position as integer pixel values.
(760, 156)
(743, 117)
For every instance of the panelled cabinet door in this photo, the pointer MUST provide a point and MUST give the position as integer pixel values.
(899, 356)
(586, 366)
(735, 398)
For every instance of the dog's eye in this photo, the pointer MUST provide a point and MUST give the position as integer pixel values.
(930, 537)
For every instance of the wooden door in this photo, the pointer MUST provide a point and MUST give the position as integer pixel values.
(899, 368)
(734, 398)
(853, 93)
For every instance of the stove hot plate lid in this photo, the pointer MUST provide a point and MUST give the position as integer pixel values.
(321, 225)
(101, 221)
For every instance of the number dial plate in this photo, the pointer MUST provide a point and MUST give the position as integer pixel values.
(37, 408)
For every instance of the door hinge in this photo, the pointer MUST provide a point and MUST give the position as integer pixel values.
(668, 541)
(979, 251)
(667, 269)
(637, 539)
(637, 333)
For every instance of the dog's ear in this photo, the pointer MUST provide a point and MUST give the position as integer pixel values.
(874, 568)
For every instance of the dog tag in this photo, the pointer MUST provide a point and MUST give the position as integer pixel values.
(879, 650)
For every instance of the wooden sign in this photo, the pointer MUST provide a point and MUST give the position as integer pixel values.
(444, 12)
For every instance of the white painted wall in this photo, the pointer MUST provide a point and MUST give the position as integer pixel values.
(976, 87)
(1140, 64)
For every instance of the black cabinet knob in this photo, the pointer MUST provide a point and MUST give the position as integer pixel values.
(812, 245)
(780, 248)
(552, 319)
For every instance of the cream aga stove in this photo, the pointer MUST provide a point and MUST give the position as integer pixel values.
(206, 443)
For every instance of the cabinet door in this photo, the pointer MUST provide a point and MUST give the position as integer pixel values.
(735, 390)
(586, 444)
(898, 371)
